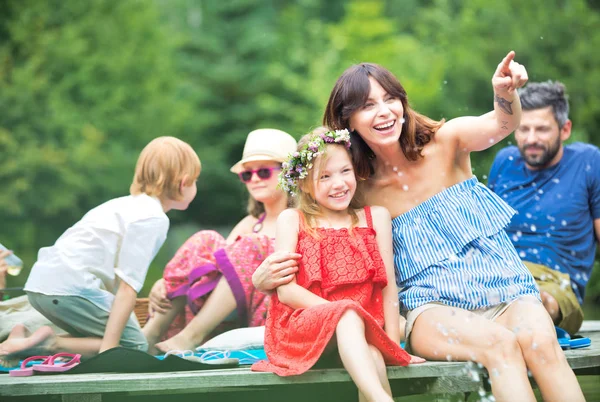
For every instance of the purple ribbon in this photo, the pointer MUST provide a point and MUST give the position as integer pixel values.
(224, 268)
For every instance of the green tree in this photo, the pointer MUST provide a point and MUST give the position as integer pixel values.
(222, 61)
(83, 87)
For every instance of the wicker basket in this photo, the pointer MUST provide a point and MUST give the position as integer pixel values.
(141, 310)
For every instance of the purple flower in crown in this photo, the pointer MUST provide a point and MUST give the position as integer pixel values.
(298, 163)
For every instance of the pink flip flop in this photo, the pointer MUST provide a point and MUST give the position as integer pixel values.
(50, 366)
(25, 371)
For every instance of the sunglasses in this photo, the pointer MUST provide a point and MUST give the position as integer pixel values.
(262, 173)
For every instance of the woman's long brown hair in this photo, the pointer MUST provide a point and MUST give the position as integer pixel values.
(351, 92)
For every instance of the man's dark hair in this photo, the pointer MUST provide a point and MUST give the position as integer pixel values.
(538, 95)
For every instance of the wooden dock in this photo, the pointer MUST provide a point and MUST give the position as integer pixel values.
(240, 384)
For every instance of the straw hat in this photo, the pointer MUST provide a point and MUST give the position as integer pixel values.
(266, 144)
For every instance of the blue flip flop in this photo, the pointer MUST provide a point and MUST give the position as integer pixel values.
(567, 342)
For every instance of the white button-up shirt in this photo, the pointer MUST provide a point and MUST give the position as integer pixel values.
(114, 241)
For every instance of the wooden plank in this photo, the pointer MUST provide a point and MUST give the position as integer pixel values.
(430, 377)
(585, 357)
(82, 398)
(590, 326)
(198, 381)
(437, 385)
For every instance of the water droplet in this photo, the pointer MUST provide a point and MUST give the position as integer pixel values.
(510, 158)
(519, 233)
(533, 228)
(445, 82)
(541, 37)
(556, 180)
(540, 191)
(522, 254)
(563, 222)
(405, 187)
(528, 215)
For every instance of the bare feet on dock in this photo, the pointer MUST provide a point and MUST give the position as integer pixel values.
(178, 342)
(416, 359)
(18, 344)
(19, 331)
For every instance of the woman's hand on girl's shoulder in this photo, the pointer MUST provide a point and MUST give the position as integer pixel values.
(281, 266)
(276, 270)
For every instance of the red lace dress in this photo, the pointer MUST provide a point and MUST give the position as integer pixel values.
(345, 269)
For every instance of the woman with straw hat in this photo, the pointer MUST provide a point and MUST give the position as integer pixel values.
(206, 288)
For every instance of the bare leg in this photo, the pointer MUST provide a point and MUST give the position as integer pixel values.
(357, 357)
(402, 325)
(45, 342)
(159, 323)
(381, 369)
(551, 306)
(535, 332)
(447, 333)
(86, 347)
(20, 346)
(219, 304)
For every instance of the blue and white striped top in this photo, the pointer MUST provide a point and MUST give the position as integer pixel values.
(453, 249)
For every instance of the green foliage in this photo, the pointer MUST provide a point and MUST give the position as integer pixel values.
(222, 63)
(79, 100)
(85, 85)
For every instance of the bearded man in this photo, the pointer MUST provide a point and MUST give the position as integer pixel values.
(555, 189)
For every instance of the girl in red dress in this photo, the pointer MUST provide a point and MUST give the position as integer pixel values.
(340, 296)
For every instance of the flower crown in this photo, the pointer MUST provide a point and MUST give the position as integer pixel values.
(298, 163)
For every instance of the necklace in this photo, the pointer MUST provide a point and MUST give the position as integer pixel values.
(259, 224)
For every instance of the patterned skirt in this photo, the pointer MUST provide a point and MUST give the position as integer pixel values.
(199, 265)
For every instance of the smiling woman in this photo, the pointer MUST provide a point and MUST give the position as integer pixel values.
(464, 292)
(206, 287)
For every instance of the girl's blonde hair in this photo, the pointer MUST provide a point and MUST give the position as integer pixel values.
(161, 167)
(306, 203)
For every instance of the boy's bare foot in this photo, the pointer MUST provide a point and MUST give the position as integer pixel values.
(19, 345)
(178, 342)
(19, 331)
